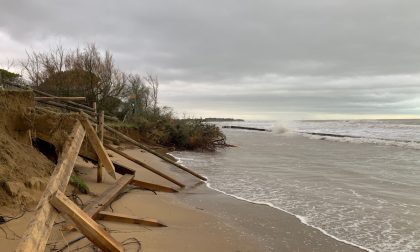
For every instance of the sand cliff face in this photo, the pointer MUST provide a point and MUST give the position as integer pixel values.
(23, 169)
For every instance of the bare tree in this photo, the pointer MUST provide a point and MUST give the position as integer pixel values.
(32, 67)
(153, 82)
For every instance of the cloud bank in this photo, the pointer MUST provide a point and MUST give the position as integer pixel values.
(252, 59)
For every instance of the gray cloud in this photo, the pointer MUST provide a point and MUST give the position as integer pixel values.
(228, 57)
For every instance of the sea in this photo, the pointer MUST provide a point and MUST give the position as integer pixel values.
(357, 181)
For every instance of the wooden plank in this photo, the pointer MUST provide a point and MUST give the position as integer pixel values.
(84, 107)
(87, 226)
(110, 216)
(75, 109)
(153, 187)
(98, 147)
(146, 166)
(98, 204)
(68, 102)
(67, 107)
(39, 228)
(59, 98)
(144, 147)
(101, 138)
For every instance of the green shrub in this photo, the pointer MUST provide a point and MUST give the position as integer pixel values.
(182, 134)
(79, 183)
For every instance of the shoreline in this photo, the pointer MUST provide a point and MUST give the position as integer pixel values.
(199, 218)
(300, 218)
(278, 229)
(268, 204)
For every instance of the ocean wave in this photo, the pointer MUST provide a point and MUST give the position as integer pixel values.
(400, 133)
(363, 140)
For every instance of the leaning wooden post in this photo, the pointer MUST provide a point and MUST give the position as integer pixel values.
(36, 236)
(97, 146)
(144, 147)
(101, 120)
(144, 165)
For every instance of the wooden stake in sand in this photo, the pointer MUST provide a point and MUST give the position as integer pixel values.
(128, 139)
(101, 138)
(144, 165)
(39, 228)
(98, 147)
(92, 230)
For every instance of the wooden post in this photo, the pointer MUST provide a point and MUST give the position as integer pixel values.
(94, 107)
(128, 139)
(144, 165)
(101, 120)
(98, 147)
(39, 228)
(92, 230)
(95, 115)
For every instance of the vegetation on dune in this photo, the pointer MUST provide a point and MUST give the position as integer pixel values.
(79, 184)
(6, 76)
(132, 98)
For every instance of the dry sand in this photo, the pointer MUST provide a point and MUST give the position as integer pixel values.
(198, 219)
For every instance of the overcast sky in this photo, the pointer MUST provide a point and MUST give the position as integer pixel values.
(280, 59)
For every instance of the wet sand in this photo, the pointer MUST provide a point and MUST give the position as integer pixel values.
(198, 219)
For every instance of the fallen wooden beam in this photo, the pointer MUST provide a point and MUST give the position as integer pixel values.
(100, 203)
(128, 139)
(98, 147)
(146, 166)
(152, 187)
(87, 226)
(59, 98)
(110, 216)
(39, 228)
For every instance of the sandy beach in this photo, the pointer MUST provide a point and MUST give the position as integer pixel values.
(197, 218)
